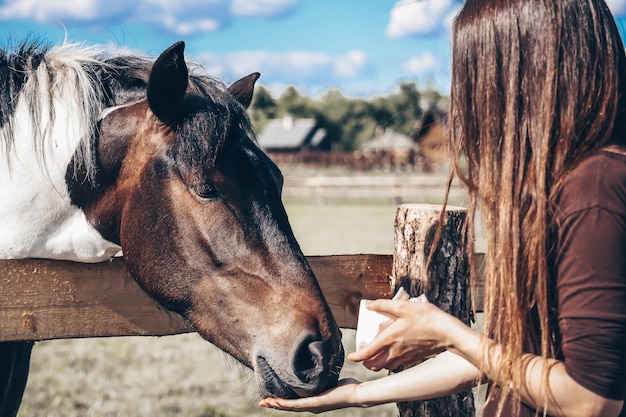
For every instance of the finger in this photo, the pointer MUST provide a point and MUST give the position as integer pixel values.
(371, 349)
(364, 352)
(358, 355)
(284, 404)
(388, 307)
(382, 326)
(268, 403)
(377, 362)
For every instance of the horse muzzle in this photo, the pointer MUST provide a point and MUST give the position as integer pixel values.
(313, 367)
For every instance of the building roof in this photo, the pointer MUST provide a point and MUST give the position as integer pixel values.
(388, 139)
(289, 133)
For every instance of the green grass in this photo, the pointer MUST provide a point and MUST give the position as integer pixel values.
(343, 228)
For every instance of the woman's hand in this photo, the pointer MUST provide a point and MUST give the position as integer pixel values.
(443, 375)
(414, 332)
(343, 395)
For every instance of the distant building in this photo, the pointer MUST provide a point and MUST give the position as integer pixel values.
(389, 149)
(388, 140)
(293, 135)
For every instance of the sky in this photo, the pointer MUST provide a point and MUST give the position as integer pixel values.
(361, 47)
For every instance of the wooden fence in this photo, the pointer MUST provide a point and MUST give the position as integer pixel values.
(47, 299)
(397, 188)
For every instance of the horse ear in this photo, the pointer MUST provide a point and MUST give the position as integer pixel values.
(243, 89)
(168, 83)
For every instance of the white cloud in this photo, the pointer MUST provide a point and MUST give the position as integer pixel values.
(189, 27)
(411, 18)
(262, 8)
(60, 10)
(618, 7)
(350, 64)
(179, 17)
(286, 67)
(184, 17)
(426, 63)
(423, 17)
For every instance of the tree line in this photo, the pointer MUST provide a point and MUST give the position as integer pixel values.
(349, 122)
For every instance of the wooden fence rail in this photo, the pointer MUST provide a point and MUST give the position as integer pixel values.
(47, 299)
(398, 188)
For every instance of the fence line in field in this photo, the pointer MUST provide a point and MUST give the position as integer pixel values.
(398, 188)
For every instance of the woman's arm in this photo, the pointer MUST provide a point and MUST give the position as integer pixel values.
(445, 374)
(442, 375)
(562, 396)
(419, 329)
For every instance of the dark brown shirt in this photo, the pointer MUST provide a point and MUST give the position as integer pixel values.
(590, 267)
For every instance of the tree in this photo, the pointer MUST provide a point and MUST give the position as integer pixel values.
(292, 103)
(263, 108)
(348, 122)
(408, 108)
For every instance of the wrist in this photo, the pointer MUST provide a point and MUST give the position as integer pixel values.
(359, 399)
(461, 339)
(364, 395)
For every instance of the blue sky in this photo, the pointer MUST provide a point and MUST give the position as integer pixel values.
(362, 47)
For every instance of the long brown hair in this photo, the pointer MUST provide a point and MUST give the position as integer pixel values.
(537, 86)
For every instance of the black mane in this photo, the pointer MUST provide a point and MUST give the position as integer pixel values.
(14, 67)
(113, 80)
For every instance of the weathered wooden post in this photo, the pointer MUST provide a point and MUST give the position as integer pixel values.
(445, 282)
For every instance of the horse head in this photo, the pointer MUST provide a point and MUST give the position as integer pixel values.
(196, 207)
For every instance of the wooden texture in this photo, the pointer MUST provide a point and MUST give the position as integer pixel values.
(346, 279)
(445, 281)
(393, 187)
(47, 299)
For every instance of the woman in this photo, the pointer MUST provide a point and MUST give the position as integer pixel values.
(538, 114)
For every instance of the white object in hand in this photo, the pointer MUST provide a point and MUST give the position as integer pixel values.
(368, 324)
(369, 321)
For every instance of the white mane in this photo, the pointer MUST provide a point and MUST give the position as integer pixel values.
(54, 118)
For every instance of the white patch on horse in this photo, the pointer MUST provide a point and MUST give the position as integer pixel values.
(37, 218)
(104, 113)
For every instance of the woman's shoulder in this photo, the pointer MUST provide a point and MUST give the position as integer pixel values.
(606, 166)
(598, 181)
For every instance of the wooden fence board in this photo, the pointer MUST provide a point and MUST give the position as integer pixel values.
(398, 188)
(346, 279)
(48, 299)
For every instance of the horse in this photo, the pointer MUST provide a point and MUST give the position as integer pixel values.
(102, 152)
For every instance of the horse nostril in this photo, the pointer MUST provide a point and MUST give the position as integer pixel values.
(308, 360)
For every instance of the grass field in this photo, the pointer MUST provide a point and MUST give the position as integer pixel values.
(184, 375)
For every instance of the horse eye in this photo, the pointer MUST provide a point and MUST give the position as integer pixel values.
(206, 191)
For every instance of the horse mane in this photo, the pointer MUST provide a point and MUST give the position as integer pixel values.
(87, 80)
